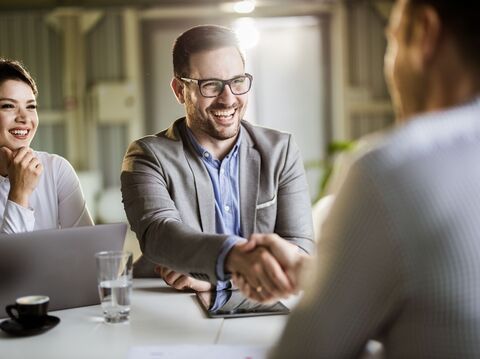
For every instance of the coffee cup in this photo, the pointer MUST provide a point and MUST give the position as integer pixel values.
(30, 311)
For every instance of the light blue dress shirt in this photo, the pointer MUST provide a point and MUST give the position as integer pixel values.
(225, 183)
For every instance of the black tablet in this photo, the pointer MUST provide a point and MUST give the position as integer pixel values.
(232, 304)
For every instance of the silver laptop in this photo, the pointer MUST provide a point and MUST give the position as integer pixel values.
(59, 263)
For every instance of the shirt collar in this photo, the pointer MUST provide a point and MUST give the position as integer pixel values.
(206, 155)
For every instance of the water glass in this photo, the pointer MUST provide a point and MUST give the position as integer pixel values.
(114, 275)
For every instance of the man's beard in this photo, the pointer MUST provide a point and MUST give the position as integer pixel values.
(209, 128)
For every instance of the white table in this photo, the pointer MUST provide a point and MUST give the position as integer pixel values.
(159, 315)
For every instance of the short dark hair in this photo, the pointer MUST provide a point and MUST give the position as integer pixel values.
(461, 19)
(14, 70)
(201, 38)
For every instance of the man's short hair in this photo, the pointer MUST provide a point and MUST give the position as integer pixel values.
(14, 70)
(198, 39)
(461, 19)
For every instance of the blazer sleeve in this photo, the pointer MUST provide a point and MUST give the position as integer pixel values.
(164, 238)
(294, 213)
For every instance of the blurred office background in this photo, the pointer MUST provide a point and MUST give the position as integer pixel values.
(103, 69)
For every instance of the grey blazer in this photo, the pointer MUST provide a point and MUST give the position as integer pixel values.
(170, 204)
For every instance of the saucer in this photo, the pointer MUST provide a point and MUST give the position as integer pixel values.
(16, 329)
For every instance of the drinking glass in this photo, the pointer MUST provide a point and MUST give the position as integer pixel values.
(114, 275)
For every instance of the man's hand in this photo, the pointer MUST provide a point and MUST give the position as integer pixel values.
(287, 256)
(23, 170)
(181, 281)
(261, 272)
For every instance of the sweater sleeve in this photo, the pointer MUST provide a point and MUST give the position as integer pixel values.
(357, 284)
(72, 207)
(17, 219)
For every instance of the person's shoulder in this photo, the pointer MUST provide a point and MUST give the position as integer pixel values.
(52, 160)
(149, 139)
(158, 143)
(426, 136)
(172, 134)
(55, 167)
(166, 143)
(261, 135)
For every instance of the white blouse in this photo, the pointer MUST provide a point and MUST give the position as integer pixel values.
(57, 202)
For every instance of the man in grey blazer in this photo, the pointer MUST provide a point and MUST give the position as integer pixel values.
(195, 192)
(399, 255)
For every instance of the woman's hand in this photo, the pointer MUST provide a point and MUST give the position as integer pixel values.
(23, 170)
(4, 160)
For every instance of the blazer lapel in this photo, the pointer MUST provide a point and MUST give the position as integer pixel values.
(203, 187)
(249, 169)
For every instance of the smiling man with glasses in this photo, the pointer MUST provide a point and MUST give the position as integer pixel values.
(196, 192)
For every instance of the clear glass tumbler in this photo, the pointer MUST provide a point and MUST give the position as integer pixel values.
(114, 275)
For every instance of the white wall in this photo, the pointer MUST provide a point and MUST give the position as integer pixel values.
(164, 106)
(288, 86)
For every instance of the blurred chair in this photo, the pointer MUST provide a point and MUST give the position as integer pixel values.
(320, 210)
(110, 206)
(91, 182)
(110, 210)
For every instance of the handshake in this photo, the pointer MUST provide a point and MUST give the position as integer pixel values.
(265, 268)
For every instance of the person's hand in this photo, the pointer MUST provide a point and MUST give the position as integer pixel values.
(287, 254)
(284, 252)
(5, 155)
(181, 281)
(23, 170)
(260, 270)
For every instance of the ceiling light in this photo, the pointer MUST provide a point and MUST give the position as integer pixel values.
(247, 32)
(244, 7)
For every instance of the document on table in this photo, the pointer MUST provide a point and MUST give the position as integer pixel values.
(198, 351)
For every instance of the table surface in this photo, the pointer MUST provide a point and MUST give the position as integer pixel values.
(159, 316)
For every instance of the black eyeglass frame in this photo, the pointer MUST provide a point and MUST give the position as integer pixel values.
(199, 83)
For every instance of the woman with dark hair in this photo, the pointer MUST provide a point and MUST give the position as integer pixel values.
(38, 190)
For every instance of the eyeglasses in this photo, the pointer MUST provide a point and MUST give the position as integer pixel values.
(213, 87)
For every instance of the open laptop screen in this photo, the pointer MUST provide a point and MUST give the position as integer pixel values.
(59, 263)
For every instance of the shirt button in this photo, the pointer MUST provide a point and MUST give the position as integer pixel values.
(206, 154)
(227, 208)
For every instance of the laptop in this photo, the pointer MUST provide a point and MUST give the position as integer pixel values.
(59, 263)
